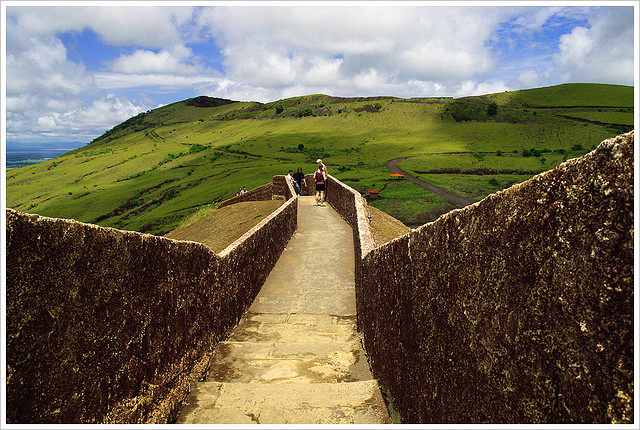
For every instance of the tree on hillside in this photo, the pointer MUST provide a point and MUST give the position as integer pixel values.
(492, 109)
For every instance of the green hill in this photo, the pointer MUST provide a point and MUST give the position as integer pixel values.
(159, 167)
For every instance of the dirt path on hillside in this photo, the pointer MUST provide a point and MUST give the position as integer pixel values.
(455, 199)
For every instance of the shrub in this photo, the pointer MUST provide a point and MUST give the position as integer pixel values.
(171, 194)
(300, 147)
(197, 148)
(305, 112)
(494, 182)
(279, 109)
(492, 109)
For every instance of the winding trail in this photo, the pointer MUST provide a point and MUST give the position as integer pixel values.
(455, 199)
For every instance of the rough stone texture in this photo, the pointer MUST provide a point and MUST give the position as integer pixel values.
(283, 187)
(306, 404)
(263, 192)
(517, 309)
(310, 189)
(104, 326)
(278, 186)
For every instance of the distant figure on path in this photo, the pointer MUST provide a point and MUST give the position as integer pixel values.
(299, 180)
(320, 178)
(324, 169)
(239, 191)
(244, 190)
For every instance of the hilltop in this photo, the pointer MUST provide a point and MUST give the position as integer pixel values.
(156, 169)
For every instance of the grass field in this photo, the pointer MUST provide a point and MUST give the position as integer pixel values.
(155, 170)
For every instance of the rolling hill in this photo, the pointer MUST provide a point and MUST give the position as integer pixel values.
(156, 169)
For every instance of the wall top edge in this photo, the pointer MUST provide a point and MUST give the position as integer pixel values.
(109, 230)
(229, 249)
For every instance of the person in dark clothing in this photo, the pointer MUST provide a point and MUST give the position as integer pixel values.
(299, 179)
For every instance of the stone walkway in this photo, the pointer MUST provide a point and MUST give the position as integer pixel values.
(296, 358)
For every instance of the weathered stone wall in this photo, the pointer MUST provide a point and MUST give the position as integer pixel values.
(283, 187)
(517, 309)
(261, 193)
(310, 189)
(278, 186)
(105, 326)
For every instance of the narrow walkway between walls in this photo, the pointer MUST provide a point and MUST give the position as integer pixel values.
(296, 358)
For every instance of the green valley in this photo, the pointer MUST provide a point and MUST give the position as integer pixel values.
(157, 169)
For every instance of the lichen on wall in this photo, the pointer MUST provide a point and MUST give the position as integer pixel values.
(517, 309)
(105, 326)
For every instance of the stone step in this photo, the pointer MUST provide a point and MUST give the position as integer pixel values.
(283, 362)
(294, 328)
(294, 403)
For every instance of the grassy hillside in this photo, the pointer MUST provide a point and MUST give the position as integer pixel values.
(221, 227)
(154, 170)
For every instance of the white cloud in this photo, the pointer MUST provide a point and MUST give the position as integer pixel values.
(150, 82)
(602, 52)
(85, 121)
(276, 52)
(48, 96)
(152, 27)
(174, 60)
(527, 79)
(44, 68)
(273, 47)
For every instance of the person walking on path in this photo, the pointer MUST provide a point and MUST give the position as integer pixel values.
(290, 178)
(320, 178)
(324, 169)
(299, 180)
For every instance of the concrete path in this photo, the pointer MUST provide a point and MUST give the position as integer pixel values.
(296, 358)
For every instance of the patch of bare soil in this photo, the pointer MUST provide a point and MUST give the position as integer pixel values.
(221, 227)
(384, 227)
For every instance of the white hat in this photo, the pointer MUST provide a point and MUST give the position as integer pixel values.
(318, 161)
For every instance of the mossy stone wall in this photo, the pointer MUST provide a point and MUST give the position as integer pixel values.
(516, 309)
(106, 326)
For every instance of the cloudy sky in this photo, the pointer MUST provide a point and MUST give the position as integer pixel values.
(74, 70)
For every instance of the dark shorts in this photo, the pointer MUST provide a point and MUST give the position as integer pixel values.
(320, 187)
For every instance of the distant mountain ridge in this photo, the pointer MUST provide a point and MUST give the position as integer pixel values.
(206, 101)
(157, 168)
